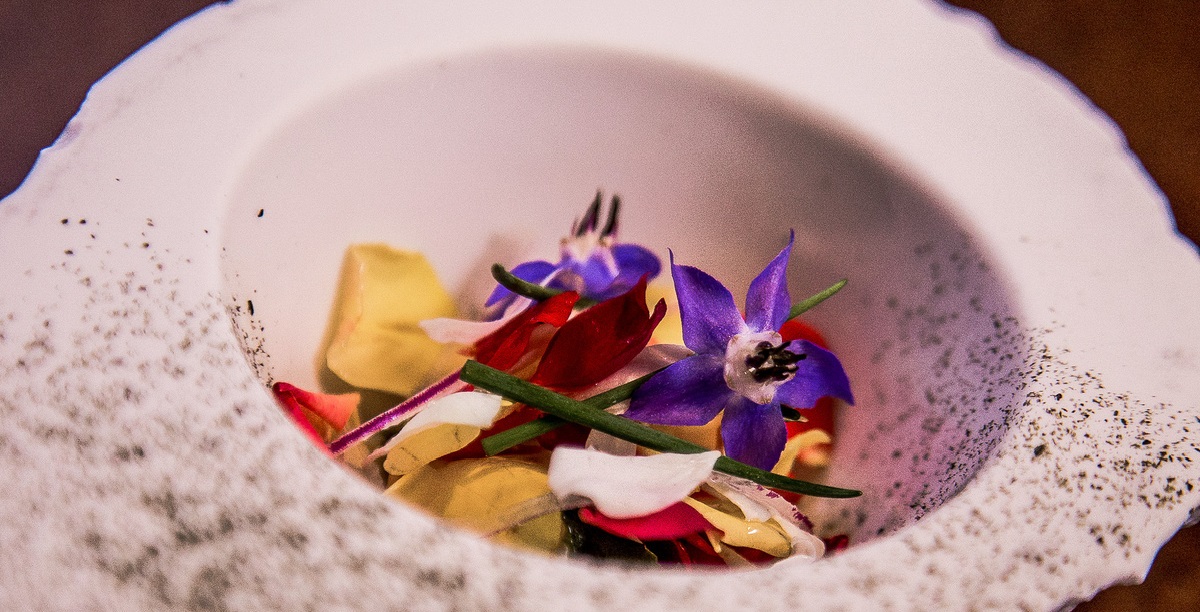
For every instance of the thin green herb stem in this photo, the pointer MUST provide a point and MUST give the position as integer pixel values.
(524, 432)
(530, 290)
(565, 408)
(811, 302)
(521, 287)
(498, 443)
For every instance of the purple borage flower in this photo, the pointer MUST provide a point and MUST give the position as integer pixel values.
(740, 366)
(591, 264)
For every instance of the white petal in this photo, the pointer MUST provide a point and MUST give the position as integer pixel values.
(461, 331)
(626, 487)
(467, 408)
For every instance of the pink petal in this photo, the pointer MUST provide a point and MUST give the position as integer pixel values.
(675, 521)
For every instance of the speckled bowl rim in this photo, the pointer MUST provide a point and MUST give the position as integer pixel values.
(1044, 178)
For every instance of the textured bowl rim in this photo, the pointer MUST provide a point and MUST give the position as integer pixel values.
(1045, 179)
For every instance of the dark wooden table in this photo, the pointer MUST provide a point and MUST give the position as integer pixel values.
(1137, 60)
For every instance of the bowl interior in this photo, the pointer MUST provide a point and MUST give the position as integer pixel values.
(489, 157)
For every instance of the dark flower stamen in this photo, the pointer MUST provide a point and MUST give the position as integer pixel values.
(614, 208)
(590, 218)
(770, 362)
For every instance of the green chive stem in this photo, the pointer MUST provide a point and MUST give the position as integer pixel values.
(520, 287)
(811, 302)
(565, 408)
(524, 432)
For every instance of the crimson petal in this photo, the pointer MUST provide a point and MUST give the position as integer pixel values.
(502, 348)
(599, 341)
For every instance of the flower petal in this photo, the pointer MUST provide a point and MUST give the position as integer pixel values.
(599, 341)
(473, 408)
(333, 409)
(707, 310)
(820, 375)
(760, 503)
(674, 521)
(591, 276)
(689, 392)
(374, 340)
(753, 433)
(482, 495)
(737, 530)
(625, 487)
(504, 347)
(633, 262)
(768, 301)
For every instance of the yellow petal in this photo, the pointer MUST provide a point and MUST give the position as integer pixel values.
(796, 446)
(374, 341)
(482, 494)
(737, 531)
(670, 329)
(427, 445)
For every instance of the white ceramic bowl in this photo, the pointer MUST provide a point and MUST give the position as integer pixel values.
(1020, 327)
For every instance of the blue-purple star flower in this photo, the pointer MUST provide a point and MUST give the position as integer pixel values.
(592, 262)
(740, 366)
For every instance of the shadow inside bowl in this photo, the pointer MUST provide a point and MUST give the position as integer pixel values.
(489, 157)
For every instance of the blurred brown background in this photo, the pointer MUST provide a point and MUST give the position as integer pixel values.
(1138, 61)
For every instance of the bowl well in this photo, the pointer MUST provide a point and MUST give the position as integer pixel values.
(718, 170)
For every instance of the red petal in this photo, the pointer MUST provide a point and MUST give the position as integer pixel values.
(675, 521)
(837, 543)
(697, 550)
(799, 330)
(296, 411)
(503, 348)
(333, 409)
(599, 341)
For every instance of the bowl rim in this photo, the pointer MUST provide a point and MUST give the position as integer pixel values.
(983, 125)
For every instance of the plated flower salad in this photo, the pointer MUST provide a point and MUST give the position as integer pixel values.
(576, 416)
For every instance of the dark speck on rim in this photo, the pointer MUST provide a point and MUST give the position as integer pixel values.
(260, 212)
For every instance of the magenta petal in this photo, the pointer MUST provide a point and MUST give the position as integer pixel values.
(675, 521)
(768, 301)
(706, 310)
(690, 391)
(820, 375)
(754, 434)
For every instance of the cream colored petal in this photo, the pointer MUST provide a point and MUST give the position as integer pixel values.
(762, 504)
(737, 531)
(470, 408)
(627, 486)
